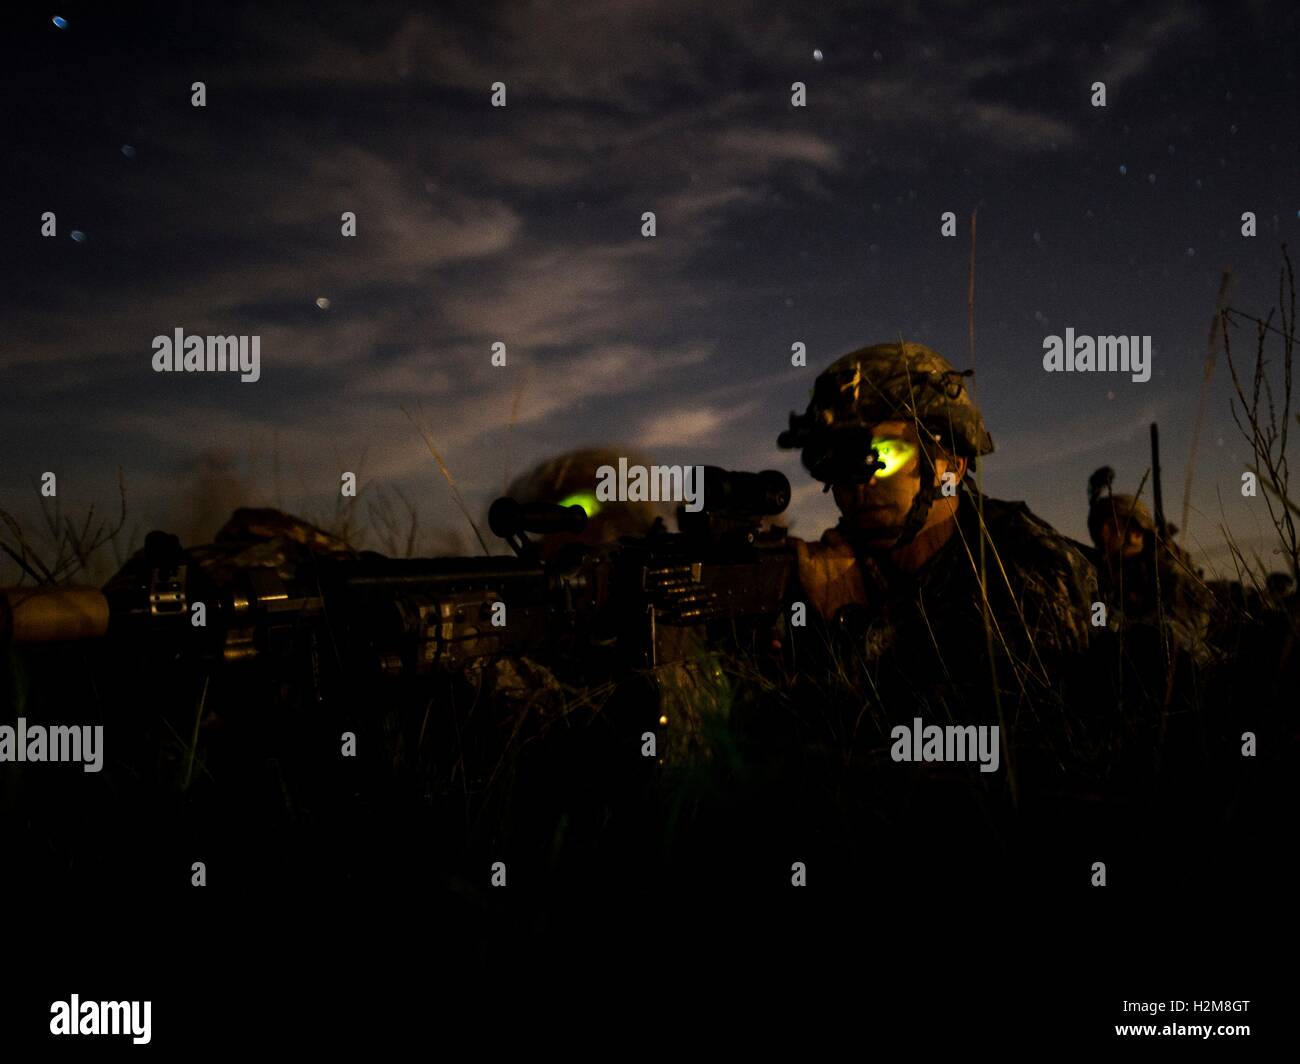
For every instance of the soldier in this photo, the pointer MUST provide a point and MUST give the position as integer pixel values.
(1146, 580)
(1119, 524)
(688, 689)
(569, 479)
(923, 597)
(583, 782)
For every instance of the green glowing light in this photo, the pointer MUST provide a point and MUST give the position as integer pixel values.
(894, 454)
(584, 499)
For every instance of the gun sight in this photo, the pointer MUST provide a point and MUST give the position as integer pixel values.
(764, 494)
(508, 518)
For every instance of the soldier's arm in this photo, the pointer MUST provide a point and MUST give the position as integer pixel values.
(829, 574)
(1060, 588)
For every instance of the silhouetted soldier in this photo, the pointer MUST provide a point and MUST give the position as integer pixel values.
(1146, 581)
(569, 479)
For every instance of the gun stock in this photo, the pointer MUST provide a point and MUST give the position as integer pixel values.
(50, 614)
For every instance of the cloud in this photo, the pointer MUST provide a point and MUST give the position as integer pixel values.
(404, 234)
(764, 148)
(1020, 130)
(614, 52)
(688, 426)
(1073, 438)
(518, 224)
(560, 295)
(418, 375)
(1143, 37)
(596, 89)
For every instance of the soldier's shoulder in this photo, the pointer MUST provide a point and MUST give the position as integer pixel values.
(1051, 578)
(264, 538)
(1023, 539)
(1014, 520)
(264, 524)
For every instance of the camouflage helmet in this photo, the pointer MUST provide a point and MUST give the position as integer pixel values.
(891, 382)
(570, 479)
(1126, 511)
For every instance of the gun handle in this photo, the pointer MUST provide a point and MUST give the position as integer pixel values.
(43, 615)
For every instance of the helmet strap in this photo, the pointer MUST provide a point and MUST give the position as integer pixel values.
(920, 508)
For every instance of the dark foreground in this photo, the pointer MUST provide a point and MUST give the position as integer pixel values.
(351, 899)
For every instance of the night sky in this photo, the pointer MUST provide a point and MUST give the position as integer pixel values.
(522, 224)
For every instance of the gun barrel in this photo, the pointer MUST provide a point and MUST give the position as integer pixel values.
(50, 614)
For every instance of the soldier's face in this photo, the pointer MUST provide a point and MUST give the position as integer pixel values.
(875, 509)
(1119, 544)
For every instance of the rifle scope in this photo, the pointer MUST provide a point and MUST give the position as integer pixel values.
(756, 494)
(508, 518)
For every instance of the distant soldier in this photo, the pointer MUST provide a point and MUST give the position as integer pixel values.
(923, 596)
(579, 760)
(569, 479)
(692, 686)
(1145, 579)
(264, 538)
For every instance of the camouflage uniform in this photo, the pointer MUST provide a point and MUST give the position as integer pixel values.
(569, 478)
(917, 643)
(1040, 591)
(1159, 589)
(257, 538)
(690, 690)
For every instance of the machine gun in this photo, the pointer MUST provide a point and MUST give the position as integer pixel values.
(415, 617)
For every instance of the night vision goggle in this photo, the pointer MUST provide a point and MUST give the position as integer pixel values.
(849, 456)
